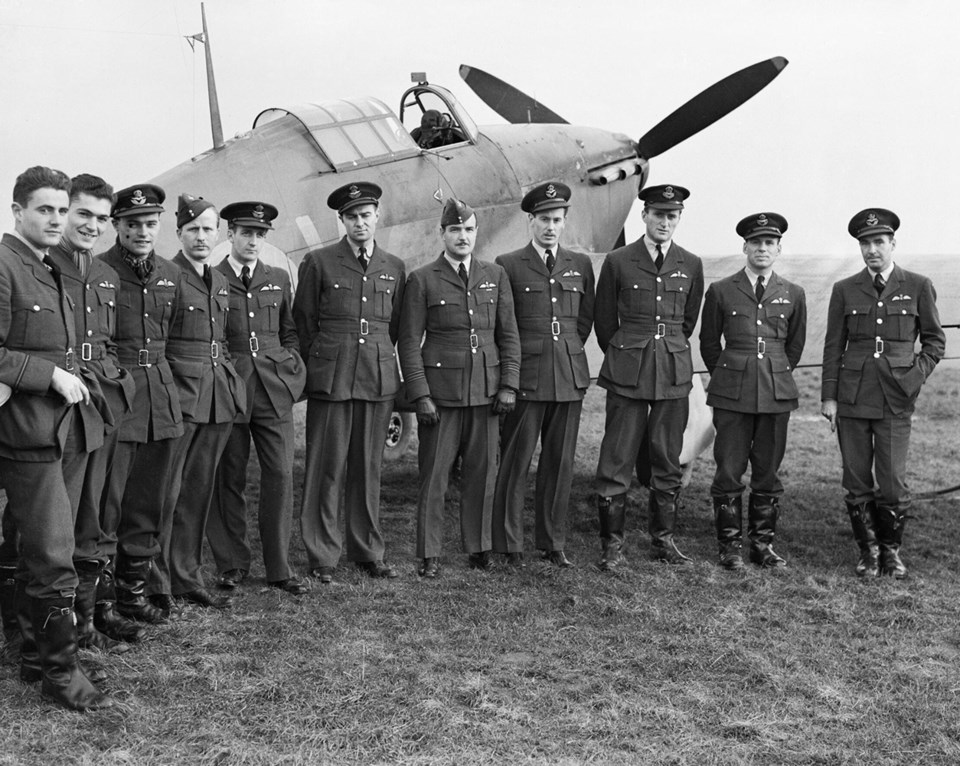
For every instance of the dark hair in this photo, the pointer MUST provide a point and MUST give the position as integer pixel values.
(38, 177)
(95, 186)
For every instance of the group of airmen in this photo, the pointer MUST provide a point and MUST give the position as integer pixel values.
(136, 384)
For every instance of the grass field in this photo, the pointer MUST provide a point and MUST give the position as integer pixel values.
(654, 665)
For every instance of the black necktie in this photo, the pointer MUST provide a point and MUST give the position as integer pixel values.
(462, 271)
(551, 260)
(362, 257)
(245, 277)
(878, 284)
(53, 269)
(207, 277)
(759, 288)
(659, 262)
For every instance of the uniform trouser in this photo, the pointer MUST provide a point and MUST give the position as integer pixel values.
(149, 472)
(40, 506)
(761, 439)
(556, 425)
(95, 489)
(880, 445)
(273, 438)
(10, 547)
(190, 492)
(344, 456)
(629, 422)
(470, 432)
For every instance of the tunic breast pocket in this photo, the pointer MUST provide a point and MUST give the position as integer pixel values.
(901, 320)
(445, 310)
(106, 309)
(529, 299)
(776, 319)
(484, 308)
(339, 298)
(738, 324)
(194, 320)
(675, 292)
(859, 320)
(383, 290)
(268, 303)
(634, 297)
(162, 304)
(570, 298)
(32, 319)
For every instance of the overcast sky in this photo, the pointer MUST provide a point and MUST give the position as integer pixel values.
(866, 114)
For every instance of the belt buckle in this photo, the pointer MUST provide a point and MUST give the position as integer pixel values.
(214, 349)
(364, 327)
(86, 352)
(254, 345)
(143, 357)
(661, 330)
(555, 327)
(474, 341)
(878, 347)
(761, 348)
(69, 357)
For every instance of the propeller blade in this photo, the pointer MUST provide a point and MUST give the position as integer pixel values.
(703, 110)
(513, 105)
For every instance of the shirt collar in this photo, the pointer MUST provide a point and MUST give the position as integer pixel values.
(455, 264)
(39, 253)
(652, 247)
(752, 276)
(371, 246)
(238, 267)
(542, 251)
(885, 273)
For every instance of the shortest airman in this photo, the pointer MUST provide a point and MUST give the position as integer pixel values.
(752, 335)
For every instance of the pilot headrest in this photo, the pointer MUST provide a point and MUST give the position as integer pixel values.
(873, 220)
(189, 208)
(351, 195)
(456, 211)
(256, 215)
(546, 197)
(138, 200)
(664, 197)
(761, 225)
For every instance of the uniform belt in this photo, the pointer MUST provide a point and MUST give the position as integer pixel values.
(359, 326)
(247, 346)
(198, 349)
(544, 326)
(90, 352)
(461, 339)
(139, 357)
(878, 346)
(769, 344)
(656, 329)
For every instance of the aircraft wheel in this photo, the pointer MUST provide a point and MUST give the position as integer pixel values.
(400, 431)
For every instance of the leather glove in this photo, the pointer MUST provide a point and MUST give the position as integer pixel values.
(505, 401)
(427, 412)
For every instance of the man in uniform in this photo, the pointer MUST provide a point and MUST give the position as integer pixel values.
(469, 360)
(553, 295)
(872, 375)
(751, 338)
(38, 425)
(262, 338)
(211, 395)
(142, 466)
(648, 301)
(347, 312)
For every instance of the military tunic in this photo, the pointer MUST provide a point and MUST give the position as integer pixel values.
(873, 370)
(643, 320)
(347, 320)
(471, 351)
(554, 312)
(262, 338)
(750, 349)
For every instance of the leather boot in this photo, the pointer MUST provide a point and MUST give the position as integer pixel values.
(613, 516)
(64, 681)
(728, 515)
(88, 637)
(29, 655)
(890, 524)
(8, 613)
(663, 520)
(863, 520)
(761, 529)
(132, 576)
(105, 616)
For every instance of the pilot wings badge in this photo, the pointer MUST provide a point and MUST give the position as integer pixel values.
(780, 300)
(902, 297)
(165, 283)
(487, 286)
(680, 274)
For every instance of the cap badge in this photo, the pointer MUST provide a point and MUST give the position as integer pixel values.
(872, 219)
(138, 198)
(668, 193)
(762, 220)
(551, 191)
(258, 211)
(354, 192)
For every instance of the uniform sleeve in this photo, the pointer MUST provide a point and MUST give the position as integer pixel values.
(306, 307)
(506, 334)
(711, 329)
(834, 344)
(413, 323)
(396, 309)
(691, 309)
(797, 331)
(932, 339)
(587, 302)
(21, 371)
(288, 328)
(606, 321)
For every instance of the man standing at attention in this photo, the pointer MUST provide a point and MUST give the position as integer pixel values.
(466, 372)
(553, 295)
(872, 375)
(347, 312)
(262, 338)
(648, 301)
(752, 334)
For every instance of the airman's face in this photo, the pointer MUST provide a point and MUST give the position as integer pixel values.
(660, 224)
(361, 223)
(761, 252)
(41, 221)
(247, 242)
(86, 220)
(198, 236)
(548, 226)
(459, 239)
(877, 251)
(138, 233)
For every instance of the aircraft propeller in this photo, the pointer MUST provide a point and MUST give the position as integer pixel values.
(512, 104)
